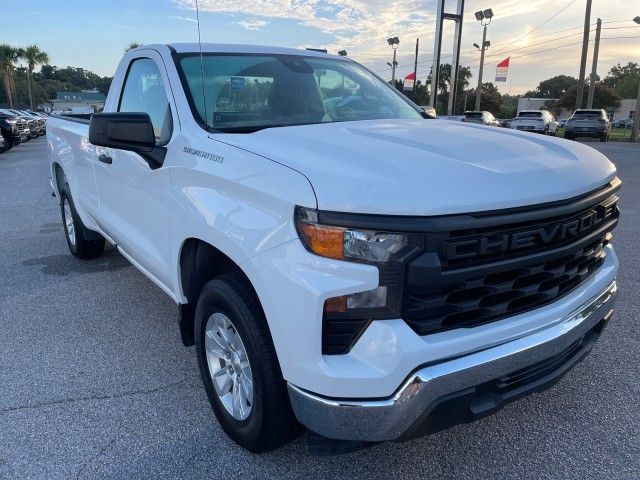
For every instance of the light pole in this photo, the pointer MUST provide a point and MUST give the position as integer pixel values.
(636, 114)
(484, 17)
(393, 42)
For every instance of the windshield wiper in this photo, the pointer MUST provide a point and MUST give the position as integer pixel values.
(256, 128)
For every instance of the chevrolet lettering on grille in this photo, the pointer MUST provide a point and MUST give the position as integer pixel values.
(552, 233)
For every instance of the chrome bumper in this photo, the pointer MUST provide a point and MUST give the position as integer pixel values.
(390, 418)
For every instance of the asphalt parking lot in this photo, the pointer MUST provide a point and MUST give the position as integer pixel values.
(95, 383)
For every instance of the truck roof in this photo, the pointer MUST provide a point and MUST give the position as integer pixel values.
(241, 48)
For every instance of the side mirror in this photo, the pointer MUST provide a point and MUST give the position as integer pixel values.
(127, 131)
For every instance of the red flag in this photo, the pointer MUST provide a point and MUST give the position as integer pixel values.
(408, 81)
(502, 70)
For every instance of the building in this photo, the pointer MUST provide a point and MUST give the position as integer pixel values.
(78, 102)
(530, 103)
(626, 109)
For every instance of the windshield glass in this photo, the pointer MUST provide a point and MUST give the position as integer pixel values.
(530, 114)
(473, 114)
(245, 93)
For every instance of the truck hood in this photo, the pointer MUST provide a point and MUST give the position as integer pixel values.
(428, 167)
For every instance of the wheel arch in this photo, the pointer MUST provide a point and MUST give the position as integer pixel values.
(198, 262)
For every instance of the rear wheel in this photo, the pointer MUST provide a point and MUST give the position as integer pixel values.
(239, 367)
(76, 232)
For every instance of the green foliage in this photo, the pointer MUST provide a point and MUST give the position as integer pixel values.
(51, 79)
(490, 100)
(603, 97)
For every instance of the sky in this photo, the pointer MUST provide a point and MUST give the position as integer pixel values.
(542, 37)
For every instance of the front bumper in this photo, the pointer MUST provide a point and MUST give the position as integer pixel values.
(440, 394)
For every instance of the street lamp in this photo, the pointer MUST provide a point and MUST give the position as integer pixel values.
(393, 43)
(342, 53)
(484, 17)
(636, 114)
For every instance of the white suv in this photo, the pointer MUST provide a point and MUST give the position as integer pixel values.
(539, 121)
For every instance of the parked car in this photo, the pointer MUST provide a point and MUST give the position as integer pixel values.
(31, 123)
(452, 118)
(562, 123)
(483, 118)
(623, 123)
(364, 271)
(539, 121)
(506, 122)
(430, 111)
(14, 130)
(37, 124)
(588, 123)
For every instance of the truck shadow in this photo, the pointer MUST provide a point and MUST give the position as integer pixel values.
(66, 264)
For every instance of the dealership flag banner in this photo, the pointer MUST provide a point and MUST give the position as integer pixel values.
(408, 81)
(501, 71)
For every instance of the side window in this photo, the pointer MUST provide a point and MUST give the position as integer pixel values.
(144, 91)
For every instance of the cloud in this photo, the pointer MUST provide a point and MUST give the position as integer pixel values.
(362, 27)
(252, 24)
(184, 19)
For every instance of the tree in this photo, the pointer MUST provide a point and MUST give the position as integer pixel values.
(555, 87)
(624, 79)
(604, 97)
(8, 56)
(491, 100)
(132, 45)
(34, 57)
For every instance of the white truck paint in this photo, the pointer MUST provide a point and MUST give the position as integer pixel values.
(238, 192)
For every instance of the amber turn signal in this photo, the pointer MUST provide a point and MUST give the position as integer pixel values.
(335, 305)
(324, 240)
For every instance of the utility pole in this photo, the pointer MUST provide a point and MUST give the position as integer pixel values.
(636, 118)
(594, 69)
(636, 115)
(479, 89)
(583, 59)
(415, 70)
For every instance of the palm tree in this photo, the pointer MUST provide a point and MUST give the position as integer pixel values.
(8, 56)
(34, 57)
(133, 45)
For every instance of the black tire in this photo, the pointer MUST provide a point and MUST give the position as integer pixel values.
(271, 422)
(569, 137)
(604, 138)
(82, 248)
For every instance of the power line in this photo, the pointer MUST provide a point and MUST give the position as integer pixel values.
(565, 46)
(540, 25)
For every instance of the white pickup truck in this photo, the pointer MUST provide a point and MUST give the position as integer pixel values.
(340, 260)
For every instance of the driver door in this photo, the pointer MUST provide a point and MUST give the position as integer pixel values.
(132, 194)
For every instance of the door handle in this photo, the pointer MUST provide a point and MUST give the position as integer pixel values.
(105, 159)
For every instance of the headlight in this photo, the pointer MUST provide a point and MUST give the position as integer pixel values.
(386, 250)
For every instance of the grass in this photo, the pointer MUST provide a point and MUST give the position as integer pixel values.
(617, 134)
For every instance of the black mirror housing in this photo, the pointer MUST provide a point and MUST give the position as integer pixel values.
(122, 130)
(130, 131)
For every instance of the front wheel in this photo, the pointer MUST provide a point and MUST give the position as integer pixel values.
(74, 230)
(239, 367)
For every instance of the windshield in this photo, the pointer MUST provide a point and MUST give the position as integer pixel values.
(530, 114)
(245, 93)
(473, 114)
